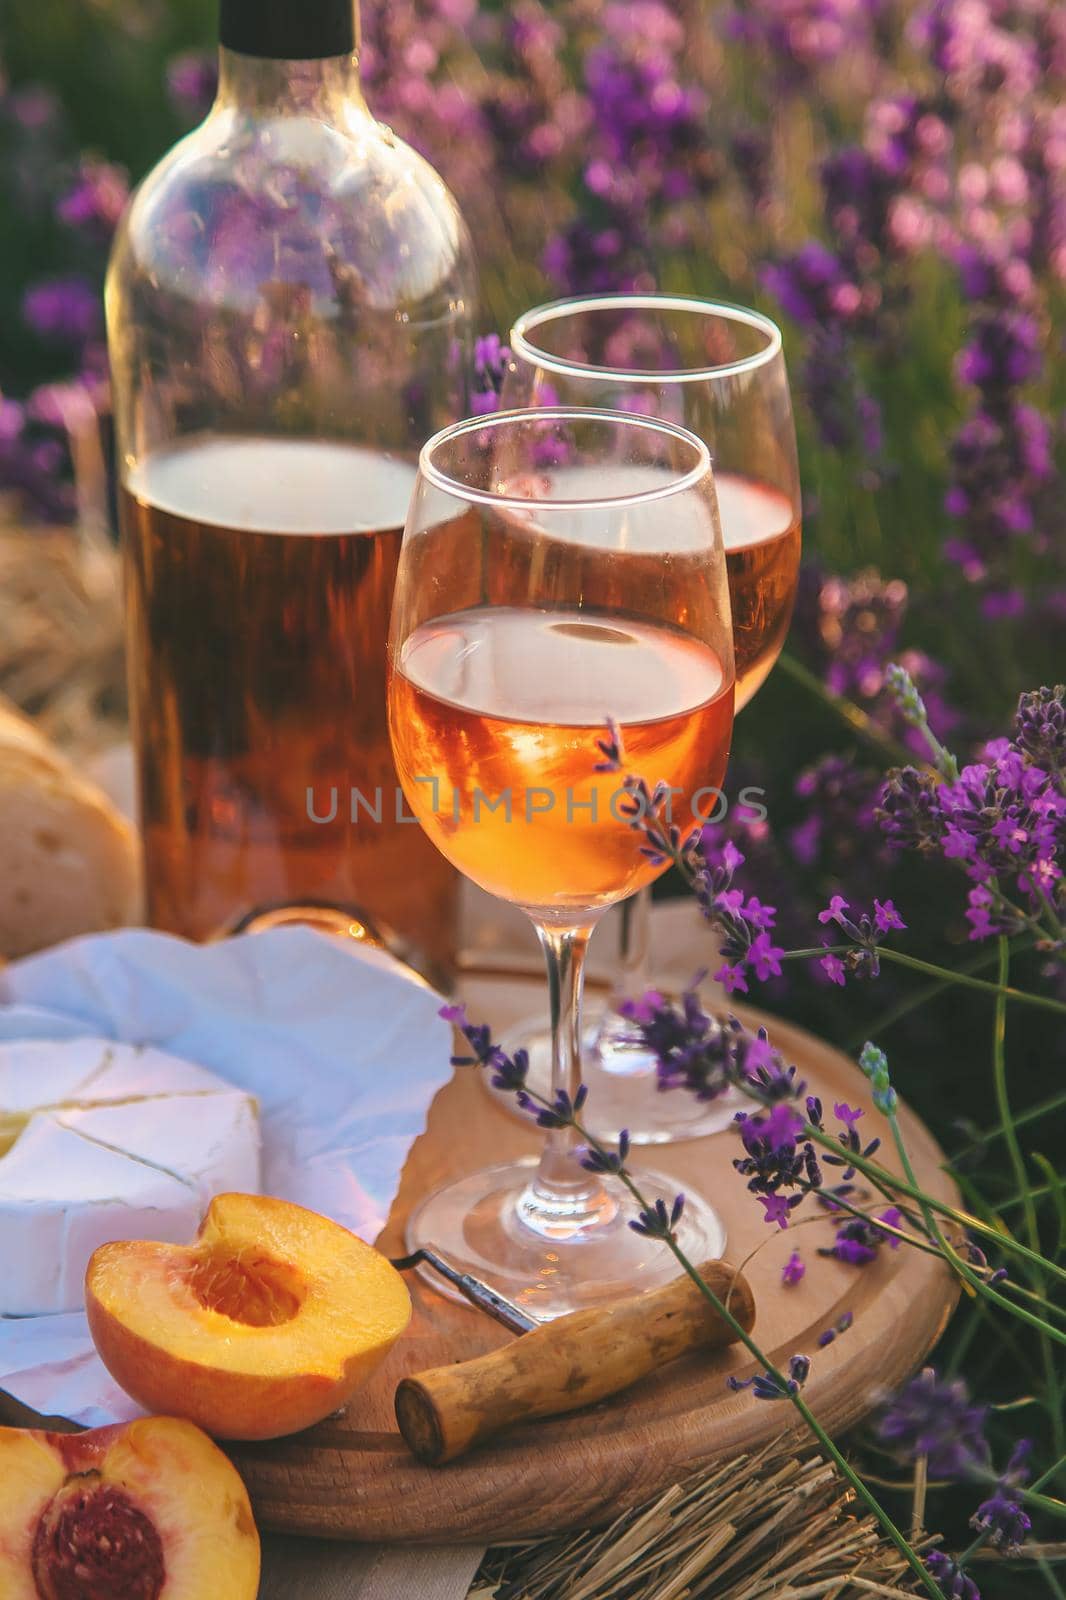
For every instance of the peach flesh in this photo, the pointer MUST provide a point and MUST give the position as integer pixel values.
(263, 1326)
(150, 1510)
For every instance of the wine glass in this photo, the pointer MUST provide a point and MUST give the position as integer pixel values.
(719, 370)
(559, 567)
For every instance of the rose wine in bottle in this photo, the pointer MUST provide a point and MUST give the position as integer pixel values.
(290, 305)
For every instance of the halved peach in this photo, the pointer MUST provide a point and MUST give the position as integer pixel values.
(150, 1510)
(269, 1321)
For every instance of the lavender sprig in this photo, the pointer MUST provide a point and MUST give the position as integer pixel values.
(659, 1221)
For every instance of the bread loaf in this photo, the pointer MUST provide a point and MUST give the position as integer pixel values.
(69, 862)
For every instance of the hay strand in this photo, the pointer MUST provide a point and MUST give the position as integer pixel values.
(753, 1528)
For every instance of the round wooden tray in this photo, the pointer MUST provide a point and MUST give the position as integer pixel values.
(352, 1477)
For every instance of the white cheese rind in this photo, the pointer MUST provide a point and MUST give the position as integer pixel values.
(110, 1142)
(49, 1237)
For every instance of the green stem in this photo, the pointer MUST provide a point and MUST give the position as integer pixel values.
(1021, 1177)
(1033, 1114)
(1052, 915)
(1043, 1502)
(1044, 1002)
(848, 1472)
(942, 974)
(1047, 1572)
(893, 1186)
(851, 714)
(999, 1077)
(962, 1268)
(1046, 1477)
(912, 1002)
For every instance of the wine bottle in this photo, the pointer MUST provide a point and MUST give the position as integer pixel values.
(289, 303)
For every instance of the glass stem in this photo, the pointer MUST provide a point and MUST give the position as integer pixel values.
(614, 1045)
(563, 1199)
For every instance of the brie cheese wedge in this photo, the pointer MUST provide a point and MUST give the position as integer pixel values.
(103, 1141)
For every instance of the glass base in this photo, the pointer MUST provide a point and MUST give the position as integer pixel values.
(487, 1224)
(623, 1088)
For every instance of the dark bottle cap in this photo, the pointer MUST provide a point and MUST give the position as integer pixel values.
(289, 30)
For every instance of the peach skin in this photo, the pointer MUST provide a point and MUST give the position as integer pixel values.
(269, 1321)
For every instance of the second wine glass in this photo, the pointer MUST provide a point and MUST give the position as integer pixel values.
(719, 370)
(559, 568)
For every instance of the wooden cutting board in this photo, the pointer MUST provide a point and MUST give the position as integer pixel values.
(352, 1477)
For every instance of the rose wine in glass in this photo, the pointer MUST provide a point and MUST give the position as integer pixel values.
(718, 370)
(592, 586)
(514, 697)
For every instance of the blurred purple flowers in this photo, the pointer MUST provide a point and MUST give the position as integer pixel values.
(936, 1418)
(192, 82)
(67, 310)
(96, 199)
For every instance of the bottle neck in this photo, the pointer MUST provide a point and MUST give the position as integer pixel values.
(261, 84)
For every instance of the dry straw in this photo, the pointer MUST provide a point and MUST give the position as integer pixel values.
(61, 633)
(757, 1528)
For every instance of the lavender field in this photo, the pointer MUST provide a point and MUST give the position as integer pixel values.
(888, 179)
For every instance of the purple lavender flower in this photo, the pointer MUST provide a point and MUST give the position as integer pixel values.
(777, 1157)
(865, 930)
(654, 135)
(491, 361)
(192, 82)
(742, 921)
(793, 1270)
(848, 417)
(692, 1049)
(1002, 819)
(660, 1221)
(936, 1418)
(63, 309)
(831, 1335)
(765, 1386)
(813, 287)
(776, 1207)
(1040, 728)
(1002, 1517)
(34, 464)
(1004, 351)
(860, 1240)
(608, 1162)
(96, 199)
(801, 36)
(596, 258)
(833, 968)
(954, 1582)
(610, 748)
(977, 59)
(562, 1111)
(841, 797)
(507, 1072)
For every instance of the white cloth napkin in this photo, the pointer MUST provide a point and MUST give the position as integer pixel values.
(344, 1050)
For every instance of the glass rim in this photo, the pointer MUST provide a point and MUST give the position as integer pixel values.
(725, 310)
(678, 483)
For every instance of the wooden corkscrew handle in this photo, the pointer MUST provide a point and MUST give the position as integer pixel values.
(566, 1364)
